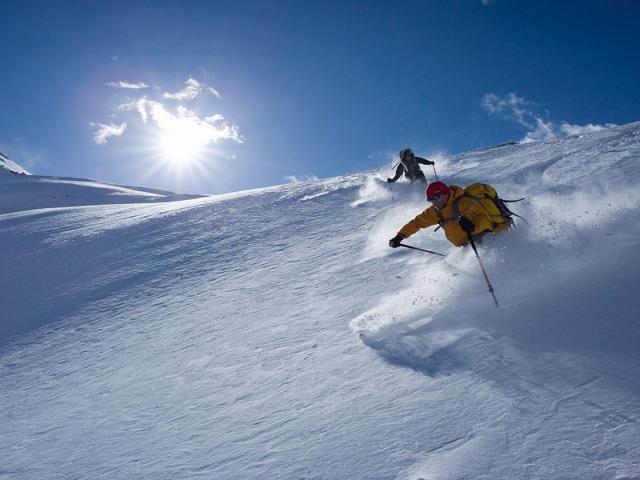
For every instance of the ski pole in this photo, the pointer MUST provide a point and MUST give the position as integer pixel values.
(422, 250)
(434, 171)
(484, 272)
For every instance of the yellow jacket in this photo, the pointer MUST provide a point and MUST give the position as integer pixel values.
(468, 207)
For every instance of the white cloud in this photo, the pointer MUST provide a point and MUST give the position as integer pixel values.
(140, 105)
(542, 131)
(104, 131)
(128, 85)
(516, 108)
(493, 103)
(569, 129)
(211, 129)
(214, 118)
(304, 178)
(191, 91)
(179, 123)
(511, 106)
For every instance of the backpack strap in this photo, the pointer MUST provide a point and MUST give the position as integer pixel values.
(442, 221)
(456, 206)
(501, 204)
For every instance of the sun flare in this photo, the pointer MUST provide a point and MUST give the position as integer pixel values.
(181, 143)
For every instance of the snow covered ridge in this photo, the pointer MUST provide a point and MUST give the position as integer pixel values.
(11, 166)
(31, 192)
(274, 334)
(21, 191)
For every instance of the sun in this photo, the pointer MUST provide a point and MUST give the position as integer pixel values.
(181, 143)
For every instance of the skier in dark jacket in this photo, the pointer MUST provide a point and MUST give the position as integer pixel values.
(409, 165)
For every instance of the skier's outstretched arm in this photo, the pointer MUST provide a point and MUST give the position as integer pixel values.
(424, 161)
(399, 171)
(426, 219)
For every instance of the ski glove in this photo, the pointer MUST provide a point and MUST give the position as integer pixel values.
(389, 180)
(466, 225)
(395, 241)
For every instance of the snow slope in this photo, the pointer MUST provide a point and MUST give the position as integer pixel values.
(274, 334)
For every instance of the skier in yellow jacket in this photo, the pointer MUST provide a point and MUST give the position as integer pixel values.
(471, 219)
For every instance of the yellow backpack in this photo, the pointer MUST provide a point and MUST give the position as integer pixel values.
(488, 199)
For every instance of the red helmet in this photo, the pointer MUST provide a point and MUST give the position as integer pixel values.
(436, 188)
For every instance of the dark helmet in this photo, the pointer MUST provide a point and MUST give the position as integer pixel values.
(406, 152)
(436, 188)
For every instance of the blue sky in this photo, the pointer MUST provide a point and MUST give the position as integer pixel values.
(240, 94)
